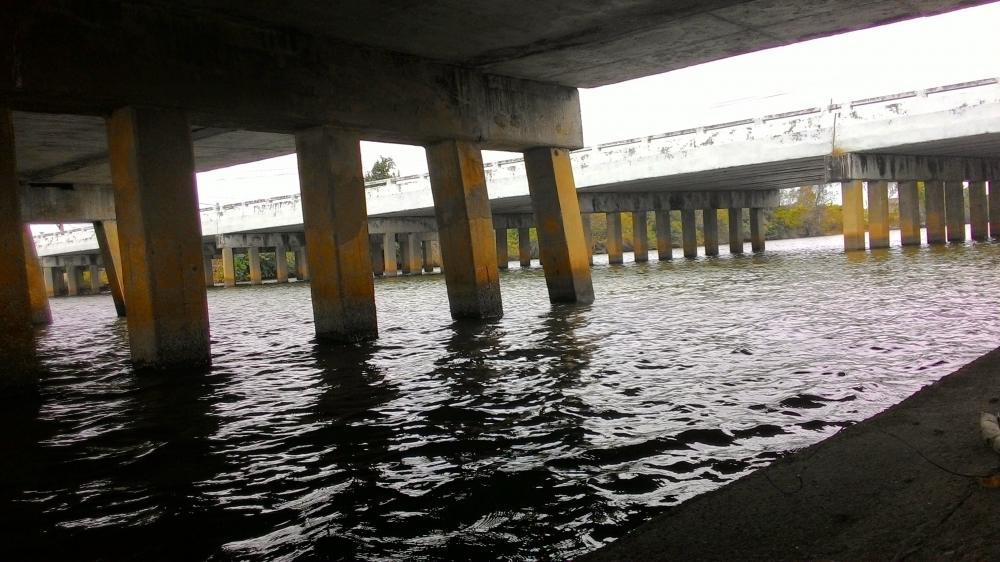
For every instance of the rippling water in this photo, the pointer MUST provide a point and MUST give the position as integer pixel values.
(542, 435)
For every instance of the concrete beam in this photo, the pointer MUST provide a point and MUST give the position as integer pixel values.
(526, 220)
(258, 240)
(895, 167)
(72, 260)
(68, 203)
(611, 202)
(400, 225)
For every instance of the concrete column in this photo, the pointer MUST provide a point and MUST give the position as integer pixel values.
(37, 287)
(994, 204)
(95, 279)
(503, 260)
(302, 265)
(107, 241)
(854, 215)
(588, 237)
(614, 243)
(209, 275)
(979, 213)
(390, 267)
(336, 230)
(735, 230)
(427, 254)
(411, 254)
(52, 276)
(253, 259)
(878, 214)
(664, 243)
(934, 211)
(689, 236)
(72, 280)
(524, 246)
(465, 223)
(376, 252)
(757, 230)
(156, 201)
(228, 267)
(909, 213)
(562, 245)
(281, 262)
(954, 202)
(640, 242)
(710, 227)
(436, 255)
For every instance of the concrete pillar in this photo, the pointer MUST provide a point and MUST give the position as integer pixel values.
(156, 201)
(95, 279)
(588, 237)
(664, 243)
(17, 345)
(909, 213)
(524, 246)
(209, 273)
(954, 202)
(757, 230)
(281, 262)
(852, 196)
(640, 242)
(615, 245)
(107, 241)
(72, 280)
(878, 214)
(436, 255)
(503, 260)
(37, 287)
(375, 251)
(979, 213)
(562, 245)
(253, 260)
(994, 204)
(336, 230)
(228, 267)
(934, 211)
(411, 253)
(465, 223)
(52, 276)
(710, 228)
(390, 268)
(689, 236)
(302, 265)
(735, 230)
(427, 254)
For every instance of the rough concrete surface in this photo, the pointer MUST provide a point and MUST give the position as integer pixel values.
(887, 488)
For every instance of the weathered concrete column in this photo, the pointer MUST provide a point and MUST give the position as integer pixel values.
(954, 202)
(37, 287)
(757, 230)
(390, 267)
(710, 226)
(107, 241)
(614, 244)
(878, 214)
(503, 260)
(72, 280)
(524, 246)
(664, 242)
(436, 255)
(588, 237)
(156, 202)
(427, 255)
(336, 230)
(209, 275)
(909, 213)
(852, 195)
(376, 252)
(281, 262)
(410, 245)
(95, 279)
(934, 210)
(689, 233)
(465, 226)
(993, 196)
(640, 238)
(52, 276)
(562, 245)
(228, 267)
(979, 213)
(253, 260)
(735, 230)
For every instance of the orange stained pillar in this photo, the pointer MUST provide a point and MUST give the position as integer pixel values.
(253, 260)
(934, 210)
(281, 262)
(588, 237)
(410, 245)
(465, 229)
(336, 224)
(562, 243)
(909, 213)
(615, 244)
(40, 313)
(664, 244)
(375, 251)
(390, 267)
(640, 238)
(156, 202)
(852, 194)
(427, 254)
(954, 202)
(878, 214)
(503, 260)
(228, 267)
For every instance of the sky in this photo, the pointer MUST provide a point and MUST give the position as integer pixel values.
(955, 47)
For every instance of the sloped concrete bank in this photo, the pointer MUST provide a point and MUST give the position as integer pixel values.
(903, 485)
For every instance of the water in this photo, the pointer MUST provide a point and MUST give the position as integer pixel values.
(542, 435)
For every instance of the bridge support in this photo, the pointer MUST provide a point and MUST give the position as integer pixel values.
(53, 278)
(640, 237)
(428, 253)
(994, 205)
(156, 202)
(95, 279)
(979, 212)
(377, 254)
(664, 242)
(228, 267)
(735, 230)
(72, 280)
(757, 230)
(465, 229)
(614, 243)
(954, 201)
(40, 313)
(852, 197)
(281, 262)
(559, 226)
(689, 233)
(253, 260)
(209, 275)
(411, 254)
(524, 246)
(588, 237)
(934, 210)
(878, 214)
(710, 227)
(909, 213)
(336, 230)
(503, 260)
(390, 267)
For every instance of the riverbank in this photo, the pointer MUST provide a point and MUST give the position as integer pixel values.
(896, 486)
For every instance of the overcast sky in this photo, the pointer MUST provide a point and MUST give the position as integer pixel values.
(955, 47)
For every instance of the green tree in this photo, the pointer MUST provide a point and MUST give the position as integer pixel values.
(384, 168)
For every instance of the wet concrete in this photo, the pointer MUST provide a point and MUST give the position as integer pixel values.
(902, 485)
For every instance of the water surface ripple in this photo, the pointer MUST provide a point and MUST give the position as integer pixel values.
(542, 435)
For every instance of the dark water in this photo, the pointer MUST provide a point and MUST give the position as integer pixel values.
(543, 435)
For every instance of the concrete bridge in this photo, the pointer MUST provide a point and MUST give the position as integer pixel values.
(141, 95)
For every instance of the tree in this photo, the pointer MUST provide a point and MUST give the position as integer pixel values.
(384, 168)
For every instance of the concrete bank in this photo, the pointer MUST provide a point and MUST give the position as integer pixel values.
(884, 489)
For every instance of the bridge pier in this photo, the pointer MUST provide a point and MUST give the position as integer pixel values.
(390, 268)
(735, 215)
(336, 231)
(209, 275)
(640, 237)
(281, 262)
(979, 213)
(152, 168)
(757, 230)
(710, 227)
(376, 252)
(410, 254)
(253, 260)
(465, 229)
(40, 313)
(228, 267)
(524, 247)
(428, 254)
(73, 281)
(878, 214)
(95, 279)
(994, 206)
(689, 233)
(588, 236)
(53, 278)
(934, 211)
(954, 202)
(664, 241)
(503, 260)
(909, 213)
(852, 197)
(615, 245)
(561, 241)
